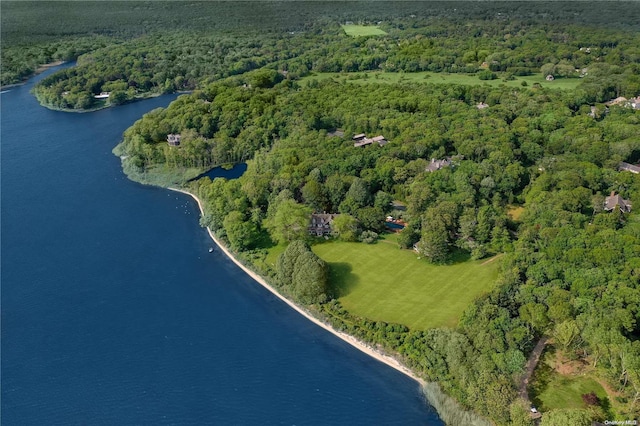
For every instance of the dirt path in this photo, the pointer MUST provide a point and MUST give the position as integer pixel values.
(486, 262)
(530, 367)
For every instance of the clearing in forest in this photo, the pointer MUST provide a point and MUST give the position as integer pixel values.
(362, 30)
(381, 282)
(428, 77)
(560, 383)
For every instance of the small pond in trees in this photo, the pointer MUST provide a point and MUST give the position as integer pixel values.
(233, 173)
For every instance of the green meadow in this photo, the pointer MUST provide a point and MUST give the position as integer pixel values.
(551, 390)
(367, 77)
(362, 30)
(381, 282)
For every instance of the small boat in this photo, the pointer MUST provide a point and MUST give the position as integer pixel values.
(210, 249)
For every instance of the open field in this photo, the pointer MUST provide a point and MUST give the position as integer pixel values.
(381, 282)
(362, 30)
(549, 389)
(367, 77)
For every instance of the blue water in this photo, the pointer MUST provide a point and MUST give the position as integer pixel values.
(233, 173)
(114, 313)
(393, 226)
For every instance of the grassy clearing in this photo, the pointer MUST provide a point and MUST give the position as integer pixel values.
(514, 212)
(382, 282)
(550, 389)
(368, 77)
(362, 30)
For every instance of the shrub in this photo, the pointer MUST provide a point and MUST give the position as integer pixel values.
(368, 237)
(487, 75)
(591, 398)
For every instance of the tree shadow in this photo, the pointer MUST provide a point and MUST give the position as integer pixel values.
(459, 256)
(541, 378)
(605, 404)
(341, 278)
(263, 241)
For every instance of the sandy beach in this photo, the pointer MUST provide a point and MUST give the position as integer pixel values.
(390, 361)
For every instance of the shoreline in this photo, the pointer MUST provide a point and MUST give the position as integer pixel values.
(40, 69)
(361, 346)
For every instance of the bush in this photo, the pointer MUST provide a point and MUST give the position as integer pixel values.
(487, 75)
(368, 237)
(591, 398)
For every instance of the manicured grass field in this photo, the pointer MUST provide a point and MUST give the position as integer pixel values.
(362, 30)
(381, 282)
(368, 77)
(550, 390)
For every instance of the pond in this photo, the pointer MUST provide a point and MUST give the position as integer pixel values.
(233, 173)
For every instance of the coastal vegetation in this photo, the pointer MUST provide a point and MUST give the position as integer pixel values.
(500, 185)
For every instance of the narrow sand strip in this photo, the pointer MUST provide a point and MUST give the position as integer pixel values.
(390, 361)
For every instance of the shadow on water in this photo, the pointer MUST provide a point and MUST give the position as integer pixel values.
(341, 278)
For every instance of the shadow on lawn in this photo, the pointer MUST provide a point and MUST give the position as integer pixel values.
(541, 378)
(341, 278)
(459, 256)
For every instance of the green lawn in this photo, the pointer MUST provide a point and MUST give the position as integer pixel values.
(362, 30)
(368, 77)
(550, 390)
(381, 282)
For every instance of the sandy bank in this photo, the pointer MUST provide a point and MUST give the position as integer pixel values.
(390, 361)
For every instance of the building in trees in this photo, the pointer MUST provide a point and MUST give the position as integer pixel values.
(321, 224)
(362, 140)
(629, 167)
(437, 164)
(173, 140)
(615, 200)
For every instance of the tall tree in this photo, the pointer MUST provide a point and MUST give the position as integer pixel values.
(290, 222)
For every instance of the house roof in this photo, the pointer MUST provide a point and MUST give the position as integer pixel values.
(616, 101)
(438, 164)
(359, 136)
(366, 141)
(628, 167)
(173, 139)
(615, 200)
(321, 222)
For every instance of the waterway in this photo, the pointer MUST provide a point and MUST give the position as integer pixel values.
(113, 311)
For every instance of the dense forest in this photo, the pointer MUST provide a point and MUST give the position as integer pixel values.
(175, 61)
(569, 264)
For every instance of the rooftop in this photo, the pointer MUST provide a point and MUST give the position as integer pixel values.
(615, 200)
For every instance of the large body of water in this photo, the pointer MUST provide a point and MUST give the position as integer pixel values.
(114, 313)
